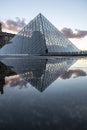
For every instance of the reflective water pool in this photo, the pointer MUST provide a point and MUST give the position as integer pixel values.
(39, 93)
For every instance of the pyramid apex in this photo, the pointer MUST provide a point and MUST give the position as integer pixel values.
(39, 37)
(40, 14)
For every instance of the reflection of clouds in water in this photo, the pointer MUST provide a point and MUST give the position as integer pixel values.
(70, 73)
(21, 79)
(15, 80)
(18, 80)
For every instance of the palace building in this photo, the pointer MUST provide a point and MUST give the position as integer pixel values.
(5, 37)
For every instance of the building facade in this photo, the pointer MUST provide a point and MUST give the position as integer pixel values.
(39, 37)
(5, 37)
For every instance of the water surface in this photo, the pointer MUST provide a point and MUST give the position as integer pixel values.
(43, 93)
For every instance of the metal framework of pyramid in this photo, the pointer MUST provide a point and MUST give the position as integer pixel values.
(40, 73)
(39, 37)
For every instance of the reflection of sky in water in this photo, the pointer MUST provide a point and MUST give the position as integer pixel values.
(80, 64)
(61, 105)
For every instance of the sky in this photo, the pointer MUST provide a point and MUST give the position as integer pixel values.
(69, 16)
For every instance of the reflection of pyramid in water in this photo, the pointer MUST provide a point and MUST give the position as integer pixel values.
(44, 71)
(52, 71)
(38, 37)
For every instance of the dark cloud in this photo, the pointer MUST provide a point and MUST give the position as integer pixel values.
(67, 32)
(13, 25)
(70, 73)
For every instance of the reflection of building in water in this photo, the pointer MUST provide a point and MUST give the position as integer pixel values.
(4, 71)
(20, 66)
(2, 82)
(39, 72)
(52, 71)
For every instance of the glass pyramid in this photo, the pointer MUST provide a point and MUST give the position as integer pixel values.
(40, 73)
(39, 37)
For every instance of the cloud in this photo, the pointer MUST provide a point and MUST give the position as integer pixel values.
(17, 24)
(70, 73)
(15, 80)
(67, 32)
(18, 79)
(13, 25)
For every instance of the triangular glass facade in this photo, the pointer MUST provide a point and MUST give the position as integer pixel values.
(39, 37)
(40, 73)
